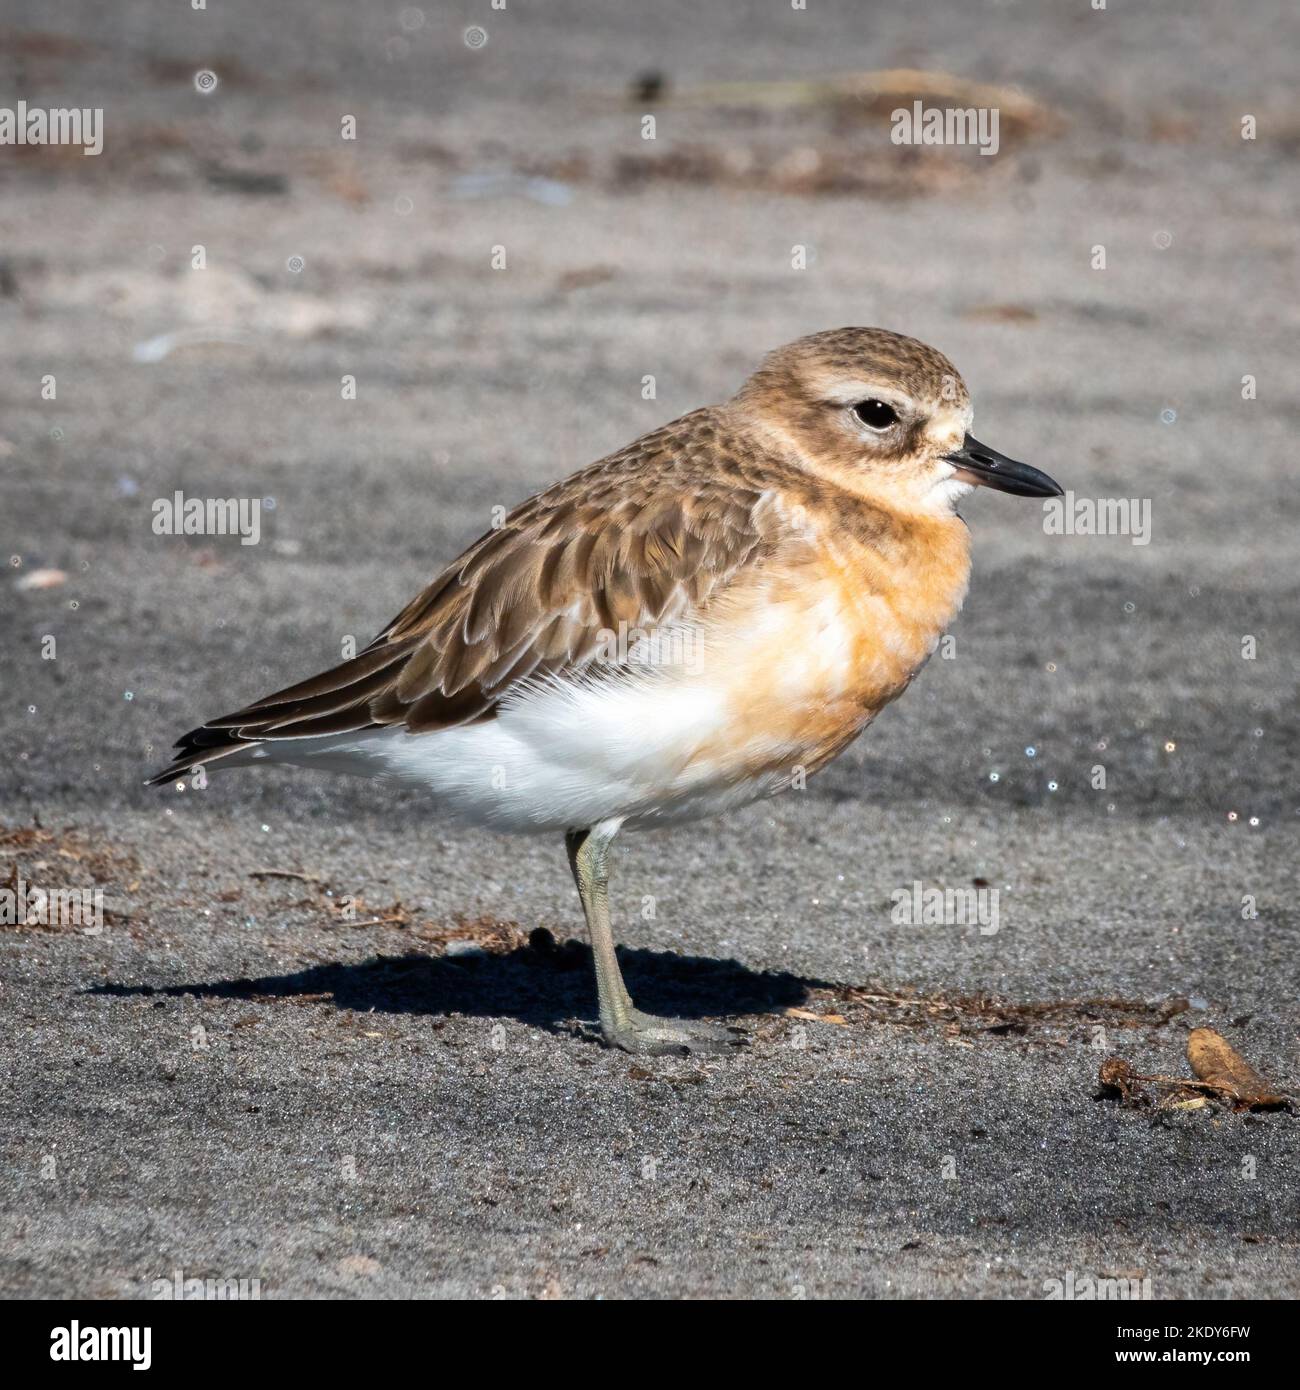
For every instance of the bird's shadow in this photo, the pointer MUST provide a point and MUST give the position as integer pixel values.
(547, 985)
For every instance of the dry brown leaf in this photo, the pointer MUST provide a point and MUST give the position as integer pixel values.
(1216, 1062)
(837, 1019)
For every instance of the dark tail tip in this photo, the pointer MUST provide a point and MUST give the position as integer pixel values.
(199, 746)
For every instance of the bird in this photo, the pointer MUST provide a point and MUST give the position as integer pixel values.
(702, 619)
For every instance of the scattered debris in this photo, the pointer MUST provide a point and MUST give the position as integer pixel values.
(1221, 1074)
(394, 915)
(25, 836)
(104, 863)
(340, 178)
(829, 166)
(489, 934)
(153, 350)
(463, 937)
(1000, 313)
(223, 305)
(843, 142)
(584, 278)
(42, 579)
(650, 85)
(39, 43)
(249, 181)
(837, 1019)
(876, 94)
(232, 72)
(40, 894)
(285, 873)
(1115, 1074)
(992, 1015)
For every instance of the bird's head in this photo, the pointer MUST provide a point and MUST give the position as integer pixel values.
(883, 415)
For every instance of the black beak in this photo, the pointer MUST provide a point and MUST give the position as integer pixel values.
(987, 467)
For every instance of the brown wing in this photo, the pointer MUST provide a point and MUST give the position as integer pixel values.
(644, 538)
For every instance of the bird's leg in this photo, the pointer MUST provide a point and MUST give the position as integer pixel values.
(621, 1023)
(589, 860)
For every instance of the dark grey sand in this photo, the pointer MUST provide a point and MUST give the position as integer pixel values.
(236, 1081)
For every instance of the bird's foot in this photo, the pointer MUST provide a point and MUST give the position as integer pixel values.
(669, 1037)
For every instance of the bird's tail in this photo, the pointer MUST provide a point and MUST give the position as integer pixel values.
(336, 701)
(197, 749)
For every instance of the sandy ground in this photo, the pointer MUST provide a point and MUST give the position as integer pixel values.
(239, 1080)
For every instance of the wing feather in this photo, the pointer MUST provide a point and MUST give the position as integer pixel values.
(648, 536)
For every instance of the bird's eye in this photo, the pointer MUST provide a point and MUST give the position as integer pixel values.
(876, 415)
